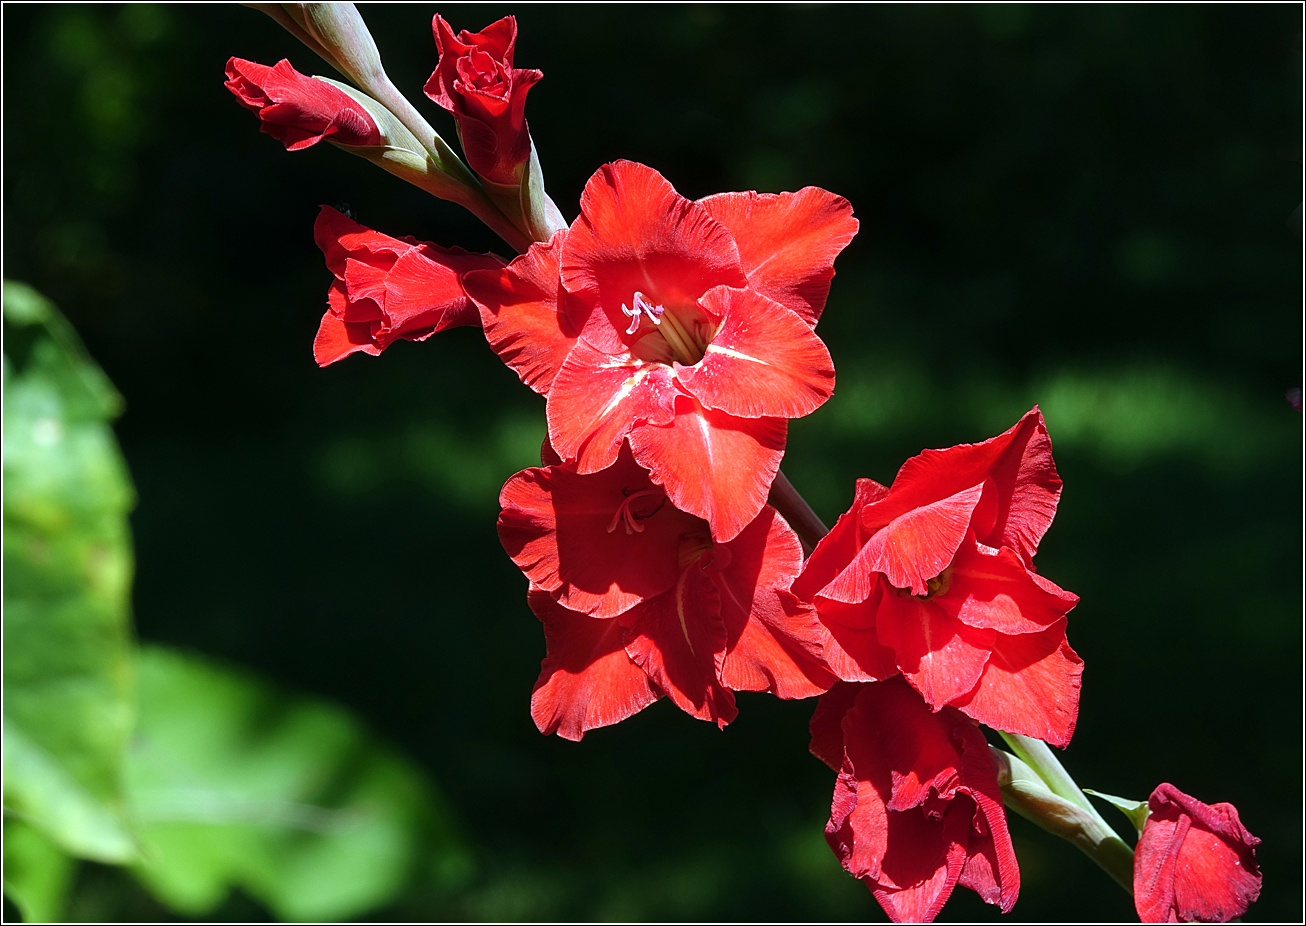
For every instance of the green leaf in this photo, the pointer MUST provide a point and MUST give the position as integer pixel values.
(67, 584)
(1136, 811)
(235, 785)
(85, 386)
(37, 873)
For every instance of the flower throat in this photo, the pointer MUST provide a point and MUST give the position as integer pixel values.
(672, 335)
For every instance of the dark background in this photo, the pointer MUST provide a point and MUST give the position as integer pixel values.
(1084, 207)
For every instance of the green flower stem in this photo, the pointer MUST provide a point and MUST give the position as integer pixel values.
(1039, 788)
(466, 189)
(1040, 757)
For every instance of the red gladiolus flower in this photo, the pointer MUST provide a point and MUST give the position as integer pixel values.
(932, 578)
(638, 601)
(1194, 862)
(683, 327)
(475, 81)
(297, 110)
(388, 288)
(916, 807)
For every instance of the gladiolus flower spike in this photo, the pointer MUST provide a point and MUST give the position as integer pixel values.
(673, 339)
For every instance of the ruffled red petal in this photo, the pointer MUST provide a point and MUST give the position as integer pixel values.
(403, 288)
(762, 361)
(853, 649)
(922, 850)
(599, 399)
(836, 549)
(826, 725)
(917, 808)
(339, 237)
(992, 588)
(787, 242)
(911, 549)
(1030, 686)
(924, 760)
(637, 234)
(529, 319)
(940, 656)
(586, 679)
(712, 464)
(567, 533)
(1021, 485)
(678, 639)
(991, 869)
(774, 642)
(337, 339)
(416, 291)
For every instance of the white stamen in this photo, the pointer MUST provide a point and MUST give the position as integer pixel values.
(642, 307)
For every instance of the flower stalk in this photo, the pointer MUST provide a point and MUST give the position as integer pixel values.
(462, 186)
(1036, 785)
(805, 522)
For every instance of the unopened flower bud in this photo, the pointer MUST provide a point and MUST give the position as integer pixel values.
(476, 82)
(299, 111)
(336, 32)
(1194, 861)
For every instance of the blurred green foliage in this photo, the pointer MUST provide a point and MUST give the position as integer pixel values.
(227, 783)
(67, 578)
(1080, 206)
(235, 785)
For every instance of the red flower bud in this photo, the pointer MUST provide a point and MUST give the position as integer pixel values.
(297, 110)
(476, 82)
(1194, 862)
(387, 289)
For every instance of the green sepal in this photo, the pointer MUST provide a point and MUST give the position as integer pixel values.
(541, 216)
(1136, 811)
